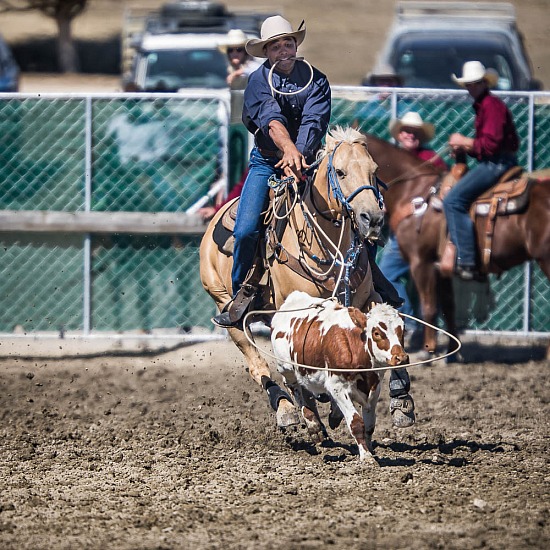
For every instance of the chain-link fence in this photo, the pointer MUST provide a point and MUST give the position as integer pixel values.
(114, 155)
(520, 297)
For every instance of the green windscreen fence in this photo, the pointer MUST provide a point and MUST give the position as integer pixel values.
(162, 153)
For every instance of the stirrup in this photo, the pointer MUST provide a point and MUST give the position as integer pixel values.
(234, 312)
(223, 320)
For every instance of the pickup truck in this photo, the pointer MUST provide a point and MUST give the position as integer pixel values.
(176, 47)
(428, 41)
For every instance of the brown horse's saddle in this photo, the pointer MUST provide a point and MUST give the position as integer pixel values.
(508, 196)
(223, 231)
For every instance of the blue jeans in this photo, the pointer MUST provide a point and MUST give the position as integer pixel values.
(394, 267)
(457, 204)
(254, 200)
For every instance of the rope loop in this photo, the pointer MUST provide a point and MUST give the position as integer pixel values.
(250, 339)
(270, 78)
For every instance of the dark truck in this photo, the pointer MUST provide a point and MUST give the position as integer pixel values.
(428, 41)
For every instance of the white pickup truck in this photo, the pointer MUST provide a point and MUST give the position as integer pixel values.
(177, 46)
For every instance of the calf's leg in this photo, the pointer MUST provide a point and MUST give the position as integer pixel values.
(355, 425)
(369, 414)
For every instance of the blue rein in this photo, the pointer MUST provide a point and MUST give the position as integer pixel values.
(354, 250)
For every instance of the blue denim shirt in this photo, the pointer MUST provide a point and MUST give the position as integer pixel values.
(305, 115)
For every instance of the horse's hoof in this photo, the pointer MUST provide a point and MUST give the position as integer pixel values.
(424, 355)
(455, 358)
(284, 420)
(402, 411)
(287, 415)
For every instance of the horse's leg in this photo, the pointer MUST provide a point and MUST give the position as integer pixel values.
(544, 264)
(424, 276)
(259, 370)
(215, 271)
(446, 298)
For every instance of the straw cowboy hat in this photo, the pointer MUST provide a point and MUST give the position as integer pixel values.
(412, 120)
(235, 39)
(474, 71)
(274, 28)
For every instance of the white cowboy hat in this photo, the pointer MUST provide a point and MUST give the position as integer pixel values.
(474, 71)
(235, 38)
(273, 28)
(412, 120)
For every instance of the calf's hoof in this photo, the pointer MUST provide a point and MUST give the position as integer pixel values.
(335, 416)
(367, 458)
(287, 415)
(402, 411)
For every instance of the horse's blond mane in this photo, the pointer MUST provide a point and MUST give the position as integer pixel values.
(348, 134)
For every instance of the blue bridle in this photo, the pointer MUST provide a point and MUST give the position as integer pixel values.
(334, 186)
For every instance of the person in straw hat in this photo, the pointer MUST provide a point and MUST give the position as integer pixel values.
(494, 146)
(410, 133)
(240, 63)
(286, 107)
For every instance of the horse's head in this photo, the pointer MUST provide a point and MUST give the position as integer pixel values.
(352, 183)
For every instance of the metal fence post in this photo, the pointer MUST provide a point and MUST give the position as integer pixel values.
(87, 249)
(528, 268)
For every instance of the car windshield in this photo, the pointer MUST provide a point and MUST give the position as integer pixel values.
(429, 63)
(170, 70)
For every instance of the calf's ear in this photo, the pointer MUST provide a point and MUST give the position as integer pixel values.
(358, 317)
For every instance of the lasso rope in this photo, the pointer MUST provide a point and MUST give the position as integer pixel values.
(250, 339)
(270, 77)
(282, 196)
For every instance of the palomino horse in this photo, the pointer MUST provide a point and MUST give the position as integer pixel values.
(417, 226)
(322, 244)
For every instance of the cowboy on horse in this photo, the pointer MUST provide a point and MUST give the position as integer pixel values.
(287, 105)
(495, 145)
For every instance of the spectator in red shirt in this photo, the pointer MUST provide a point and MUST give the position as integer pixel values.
(207, 212)
(494, 146)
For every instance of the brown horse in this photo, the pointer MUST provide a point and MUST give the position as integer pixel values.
(417, 226)
(327, 224)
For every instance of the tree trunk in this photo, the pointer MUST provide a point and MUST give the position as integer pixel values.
(66, 49)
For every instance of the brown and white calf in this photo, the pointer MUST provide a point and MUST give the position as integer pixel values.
(323, 333)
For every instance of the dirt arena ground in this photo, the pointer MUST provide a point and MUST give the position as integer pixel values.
(177, 448)
(136, 447)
